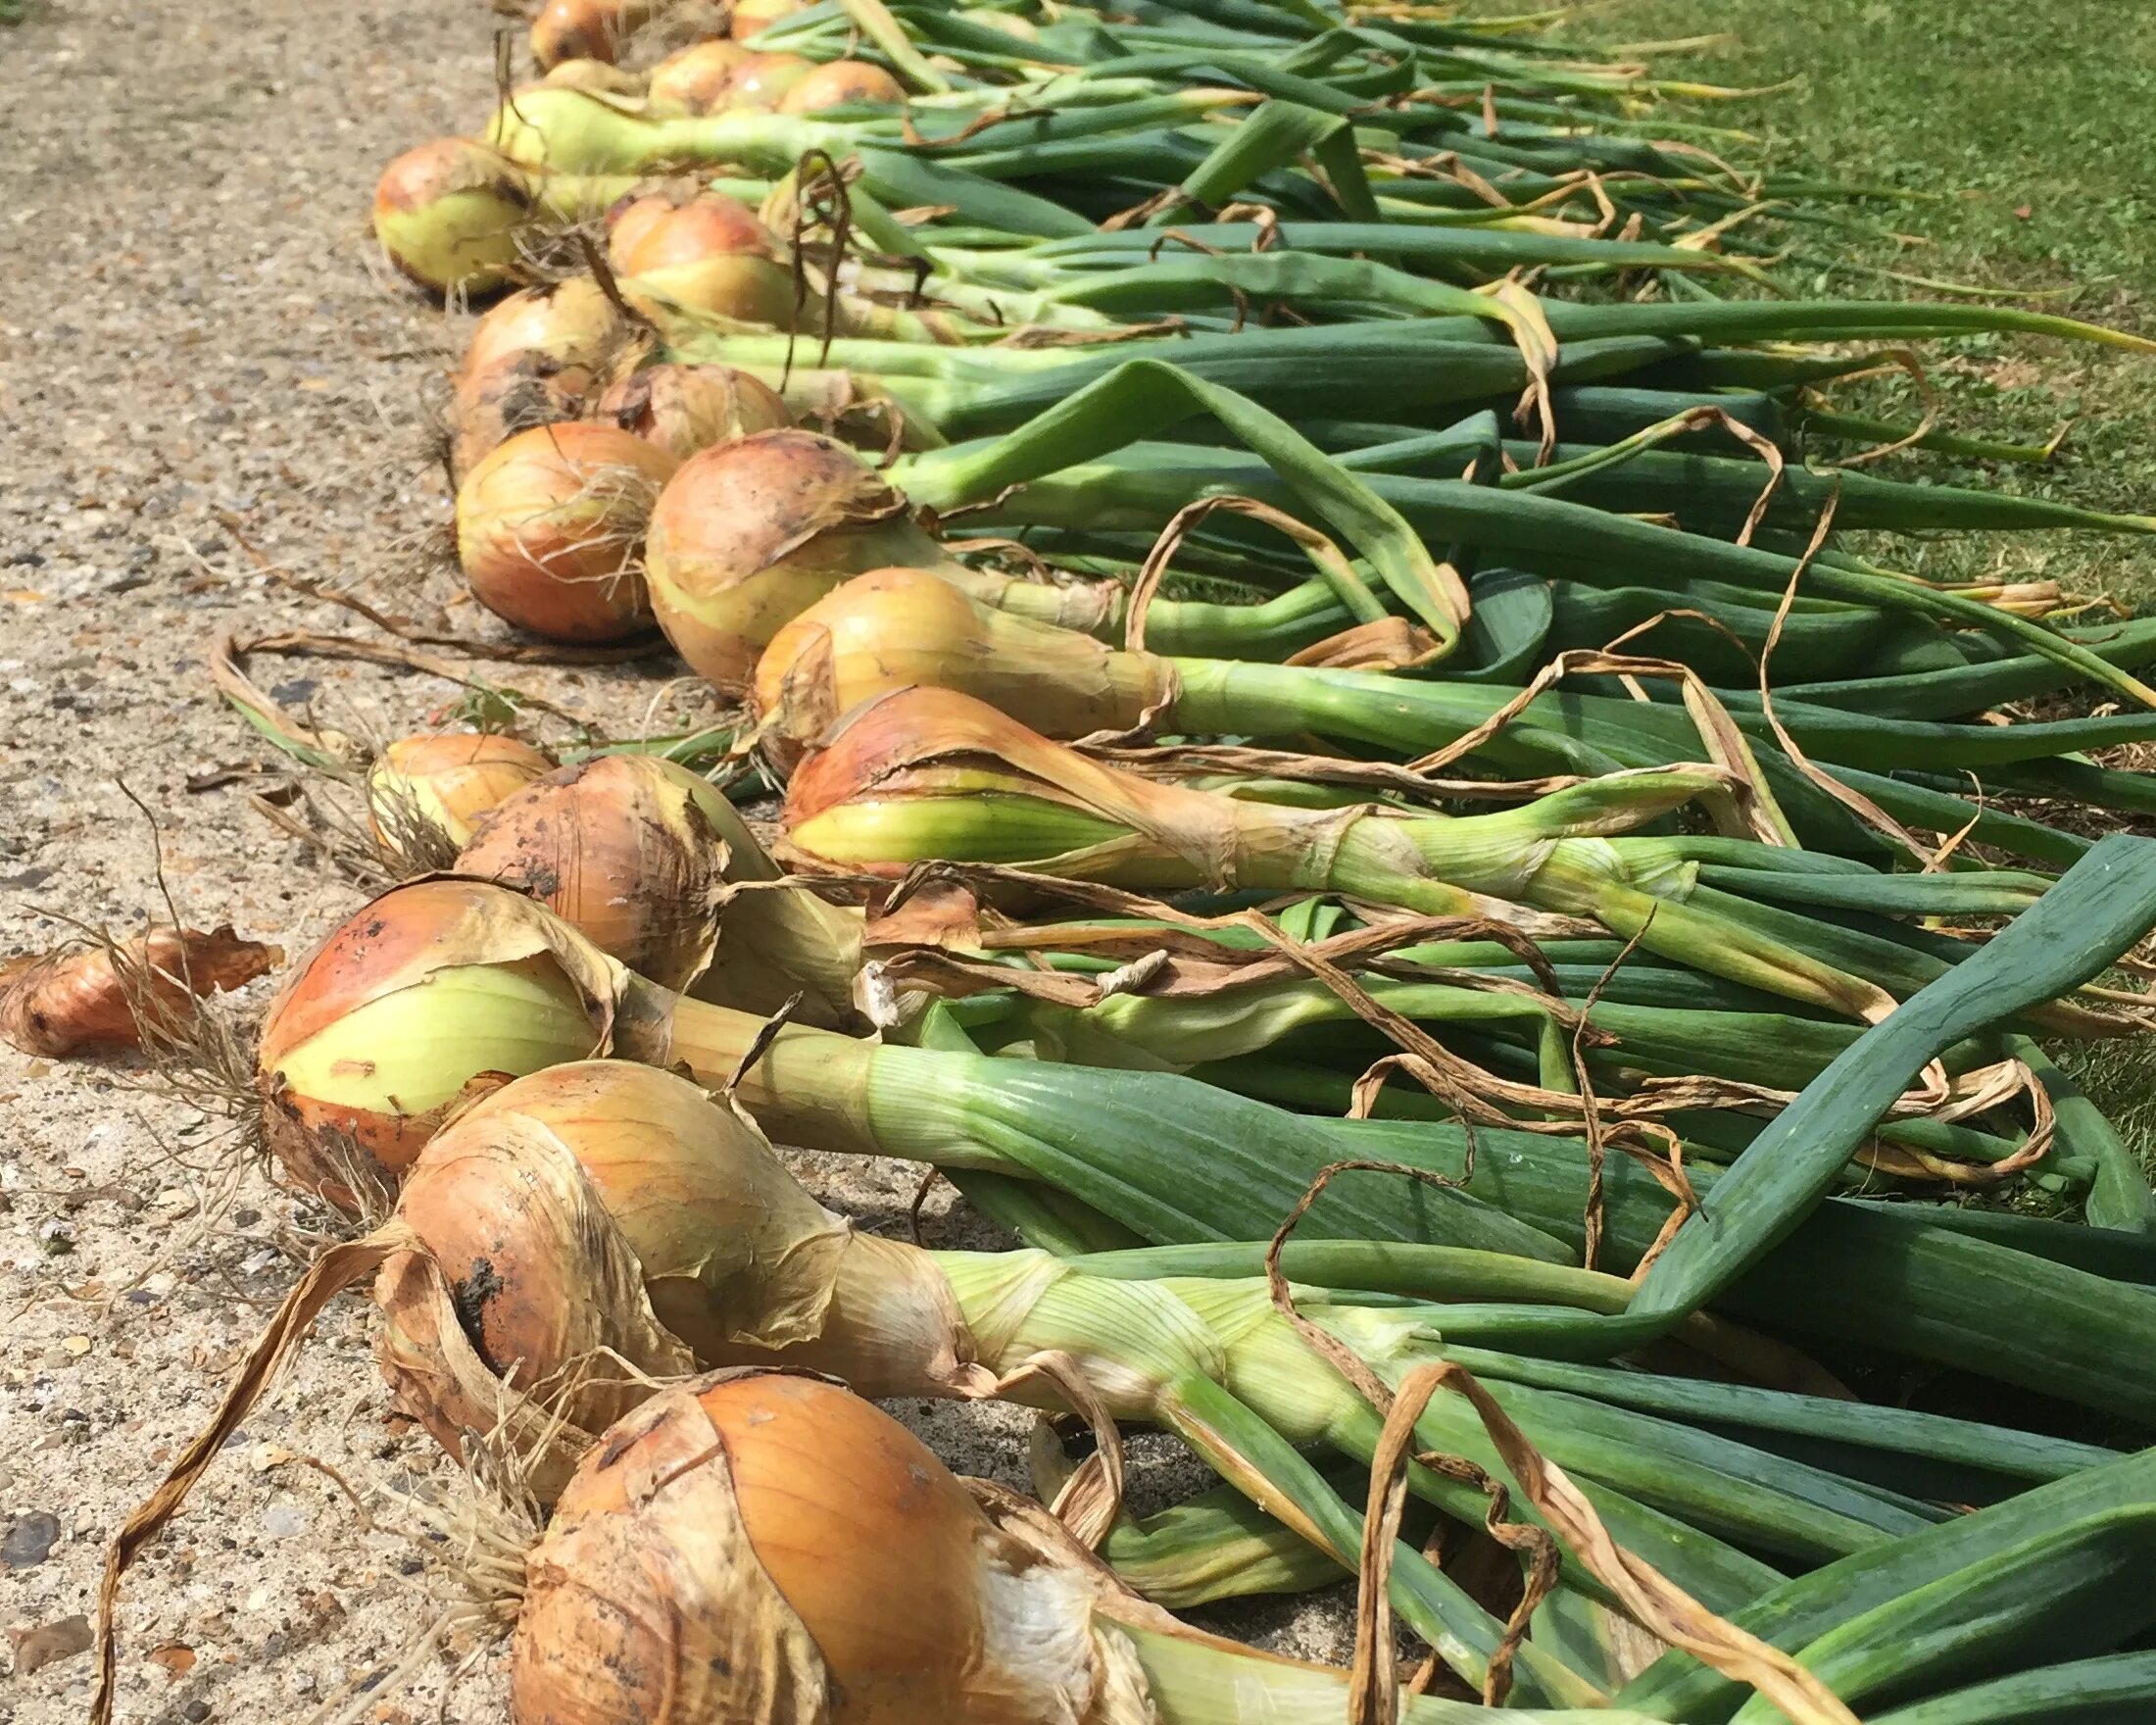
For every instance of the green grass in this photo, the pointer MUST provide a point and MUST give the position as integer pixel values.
(2026, 132)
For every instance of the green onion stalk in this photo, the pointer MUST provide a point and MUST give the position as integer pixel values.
(897, 627)
(663, 1230)
(439, 988)
(929, 774)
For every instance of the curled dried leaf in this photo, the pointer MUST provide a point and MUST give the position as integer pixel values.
(121, 994)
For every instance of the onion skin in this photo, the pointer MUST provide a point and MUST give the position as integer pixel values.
(449, 782)
(549, 527)
(696, 79)
(683, 409)
(621, 848)
(747, 536)
(709, 252)
(768, 1547)
(89, 997)
(844, 83)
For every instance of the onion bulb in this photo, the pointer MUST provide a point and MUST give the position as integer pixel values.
(765, 1546)
(895, 628)
(709, 252)
(588, 30)
(436, 993)
(695, 79)
(843, 83)
(625, 848)
(448, 215)
(425, 794)
(682, 408)
(549, 527)
(747, 536)
(532, 361)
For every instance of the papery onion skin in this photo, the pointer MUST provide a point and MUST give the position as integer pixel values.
(621, 847)
(765, 1547)
(683, 409)
(550, 526)
(449, 783)
(844, 83)
(95, 997)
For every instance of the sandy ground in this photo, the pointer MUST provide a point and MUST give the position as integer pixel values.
(203, 371)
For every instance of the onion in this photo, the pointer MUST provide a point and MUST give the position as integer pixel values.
(749, 534)
(638, 854)
(682, 408)
(709, 252)
(549, 525)
(448, 214)
(439, 992)
(625, 848)
(588, 30)
(532, 361)
(843, 83)
(892, 628)
(769, 1547)
(696, 79)
(425, 794)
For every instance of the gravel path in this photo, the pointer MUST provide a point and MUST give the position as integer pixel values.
(206, 382)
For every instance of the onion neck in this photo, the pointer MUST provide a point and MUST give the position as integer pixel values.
(809, 1088)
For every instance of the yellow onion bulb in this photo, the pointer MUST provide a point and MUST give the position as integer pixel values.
(765, 1545)
(898, 629)
(748, 535)
(432, 993)
(843, 83)
(550, 526)
(683, 409)
(625, 849)
(427, 793)
(587, 29)
(448, 215)
(709, 252)
(532, 361)
(697, 78)
(597, 1204)
(763, 80)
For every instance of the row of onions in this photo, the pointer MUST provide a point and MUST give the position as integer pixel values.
(1360, 762)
